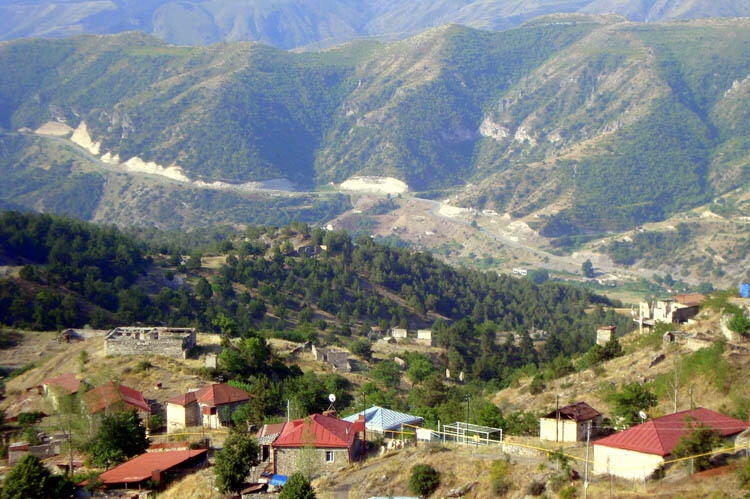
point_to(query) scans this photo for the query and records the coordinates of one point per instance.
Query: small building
(153, 467)
(327, 442)
(399, 333)
(54, 387)
(424, 336)
(569, 423)
(640, 450)
(211, 406)
(385, 422)
(115, 397)
(677, 310)
(337, 359)
(173, 342)
(604, 334)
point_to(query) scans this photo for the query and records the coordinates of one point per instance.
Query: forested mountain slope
(592, 123)
(295, 23)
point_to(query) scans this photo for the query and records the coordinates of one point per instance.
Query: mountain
(291, 24)
(587, 123)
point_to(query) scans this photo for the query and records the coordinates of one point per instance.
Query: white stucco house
(569, 423)
(638, 451)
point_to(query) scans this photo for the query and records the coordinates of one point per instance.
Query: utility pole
(364, 426)
(586, 466)
(676, 382)
(557, 417)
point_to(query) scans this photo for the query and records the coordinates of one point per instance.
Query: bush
(424, 480)
(500, 476)
(297, 487)
(535, 488)
(743, 474)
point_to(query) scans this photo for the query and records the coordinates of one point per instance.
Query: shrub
(500, 476)
(424, 480)
(535, 488)
(743, 474)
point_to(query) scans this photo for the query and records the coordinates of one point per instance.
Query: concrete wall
(603, 335)
(288, 460)
(568, 430)
(624, 463)
(425, 336)
(179, 417)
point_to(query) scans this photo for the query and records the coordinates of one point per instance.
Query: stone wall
(288, 460)
(170, 342)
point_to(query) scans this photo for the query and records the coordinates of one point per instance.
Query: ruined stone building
(173, 342)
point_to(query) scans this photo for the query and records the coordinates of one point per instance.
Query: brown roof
(142, 467)
(578, 412)
(212, 395)
(67, 382)
(690, 299)
(110, 394)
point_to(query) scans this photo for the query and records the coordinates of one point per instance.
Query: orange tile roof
(142, 467)
(110, 394)
(67, 382)
(212, 395)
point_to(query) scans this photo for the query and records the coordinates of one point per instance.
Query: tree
(297, 487)
(700, 440)
(234, 460)
(387, 372)
(630, 400)
(120, 436)
(29, 479)
(424, 480)
(588, 269)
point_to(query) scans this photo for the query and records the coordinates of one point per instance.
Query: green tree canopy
(699, 441)
(630, 400)
(297, 487)
(29, 479)
(234, 460)
(120, 436)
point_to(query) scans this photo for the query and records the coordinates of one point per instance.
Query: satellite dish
(332, 398)
(642, 415)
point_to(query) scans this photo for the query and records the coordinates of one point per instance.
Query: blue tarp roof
(381, 419)
(278, 480)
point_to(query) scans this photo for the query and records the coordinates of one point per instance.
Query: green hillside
(593, 123)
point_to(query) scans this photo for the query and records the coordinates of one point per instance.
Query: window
(329, 456)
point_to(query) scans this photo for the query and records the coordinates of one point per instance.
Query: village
(185, 429)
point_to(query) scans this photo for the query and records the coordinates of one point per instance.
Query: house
(399, 333)
(337, 359)
(638, 451)
(173, 342)
(153, 467)
(677, 310)
(66, 384)
(116, 397)
(604, 334)
(211, 406)
(328, 442)
(424, 336)
(569, 423)
(385, 422)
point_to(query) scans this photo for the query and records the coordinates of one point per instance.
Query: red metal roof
(660, 435)
(110, 394)
(578, 412)
(67, 382)
(317, 430)
(212, 395)
(142, 467)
